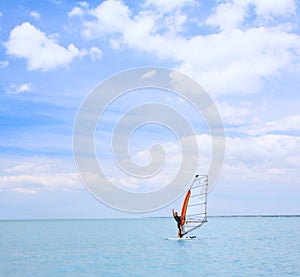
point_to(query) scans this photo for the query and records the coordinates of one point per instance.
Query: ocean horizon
(145, 217)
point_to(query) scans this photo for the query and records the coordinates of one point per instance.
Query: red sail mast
(184, 206)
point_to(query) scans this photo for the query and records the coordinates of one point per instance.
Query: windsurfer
(178, 220)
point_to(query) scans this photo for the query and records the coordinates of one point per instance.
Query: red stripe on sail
(184, 206)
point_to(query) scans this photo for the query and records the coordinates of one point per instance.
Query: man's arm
(173, 212)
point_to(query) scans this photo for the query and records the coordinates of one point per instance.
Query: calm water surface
(259, 246)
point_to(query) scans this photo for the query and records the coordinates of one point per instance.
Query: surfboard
(183, 238)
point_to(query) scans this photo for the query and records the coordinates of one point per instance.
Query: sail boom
(195, 227)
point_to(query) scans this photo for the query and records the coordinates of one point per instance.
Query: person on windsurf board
(178, 220)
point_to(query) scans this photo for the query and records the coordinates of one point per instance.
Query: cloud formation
(38, 174)
(4, 64)
(286, 124)
(43, 52)
(36, 15)
(267, 159)
(233, 59)
(16, 89)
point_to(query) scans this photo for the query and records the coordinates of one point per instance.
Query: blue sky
(245, 54)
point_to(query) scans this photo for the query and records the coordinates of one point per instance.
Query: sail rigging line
(193, 212)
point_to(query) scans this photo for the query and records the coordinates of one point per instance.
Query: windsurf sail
(184, 207)
(193, 212)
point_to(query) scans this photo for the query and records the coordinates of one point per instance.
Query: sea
(224, 246)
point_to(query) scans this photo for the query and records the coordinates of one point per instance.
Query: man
(178, 220)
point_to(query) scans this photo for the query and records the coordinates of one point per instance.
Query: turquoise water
(259, 246)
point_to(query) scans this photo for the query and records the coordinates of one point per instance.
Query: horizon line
(145, 217)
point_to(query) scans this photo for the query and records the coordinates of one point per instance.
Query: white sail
(194, 206)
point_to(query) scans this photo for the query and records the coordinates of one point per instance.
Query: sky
(245, 54)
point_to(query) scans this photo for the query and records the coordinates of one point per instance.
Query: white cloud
(128, 183)
(24, 190)
(76, 11)
(79, 10)
(255, 160)
(268, 162)
(238, 62)
(227, 15)
(163, 173)
(275, 171)
(38, 174)
(160, 175)
(111, 16)
(275, 7)
(4, 64)
(168, 5)
(149, 74)
(242, 113)
(267, 151)
(36, 15)
(95, 53)
(235, 60)
(35, 181)
(22, 167)
(41, 51)
(16, 89)
(290, 123)
(231, 14)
